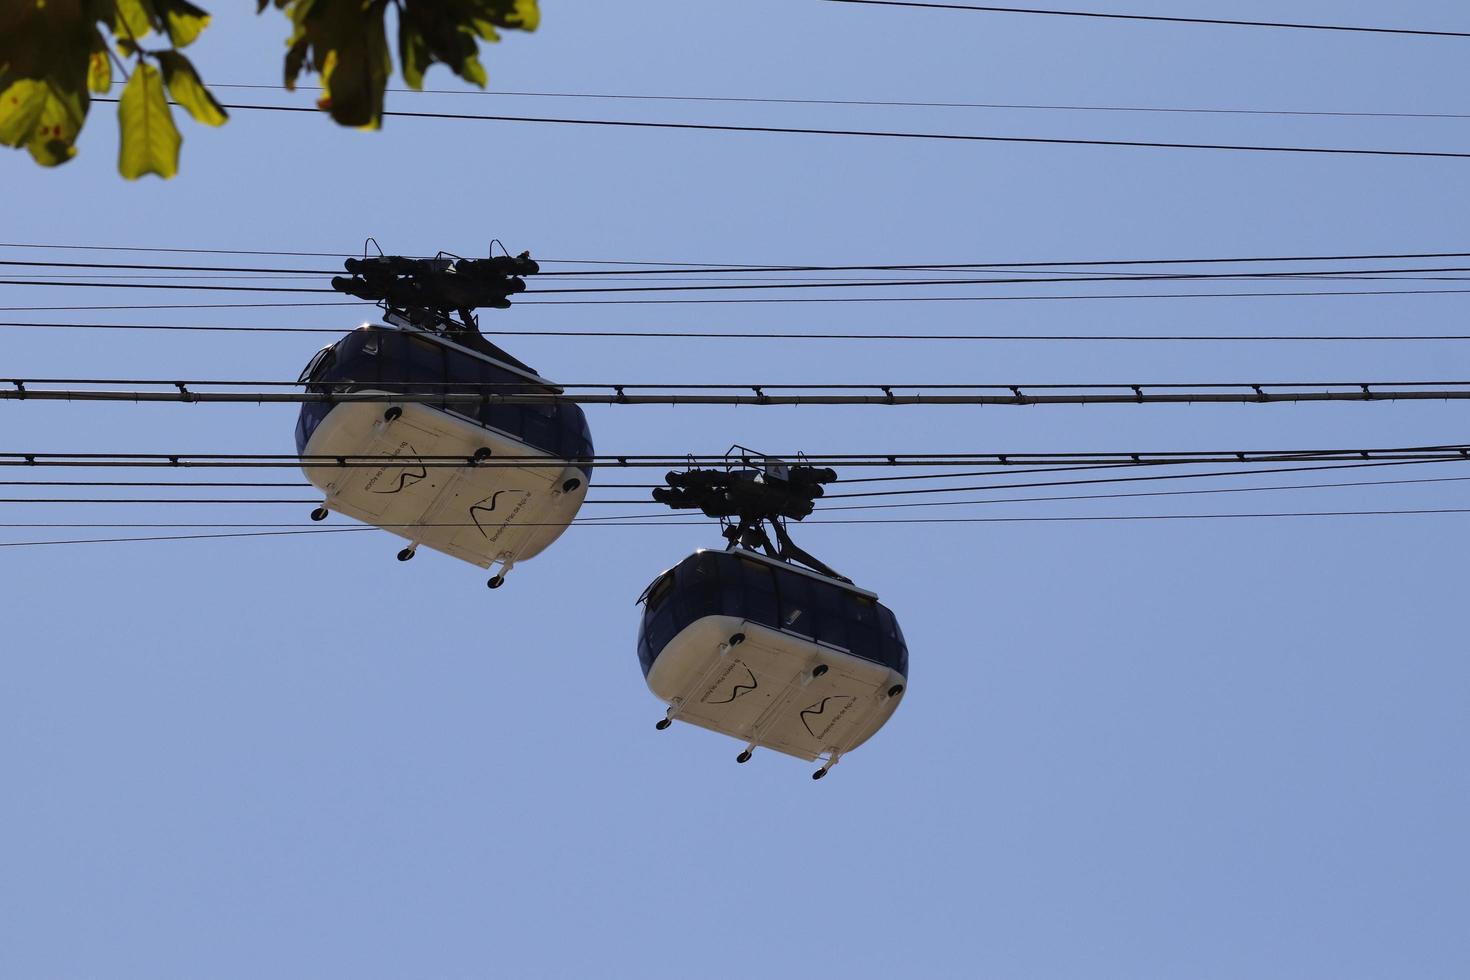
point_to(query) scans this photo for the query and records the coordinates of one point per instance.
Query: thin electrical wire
(870, 299)
(1328, 274)
(779, 335)
(1214, 21)
(1015, 462)
(239, 501)
(517, 386)
(1129, 479)
(845, 521)
(773, 300)
(695, 267)
(853, 507)
(885, 134)
(952, 267)
(621, 395)
(886, 103)
(149, 483)
(1145, 493)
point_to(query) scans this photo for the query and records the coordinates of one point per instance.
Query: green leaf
(43, 117)
(150, 141)
(133, 20)
(183, 20)
(448, 32)
(54, 139)
(188, 91)
(99, 65)
(21, 105)
(346, 42)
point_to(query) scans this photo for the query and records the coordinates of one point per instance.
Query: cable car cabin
(482, 514)
(771, 654)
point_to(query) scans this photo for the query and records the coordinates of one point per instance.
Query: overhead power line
(844, 521)
(1043, 498)
(1135, 479)
(888, 103)
(684, 268)
(1147, 493)
(824, 506)
(1215, 21)
(883, 134)
(779, 335)
(187, 460)
(1391, 274)
(783, 395)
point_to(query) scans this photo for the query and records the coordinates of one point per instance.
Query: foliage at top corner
(346, 42)
(55, 54)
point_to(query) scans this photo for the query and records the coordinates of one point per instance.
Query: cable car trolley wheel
(771, 654)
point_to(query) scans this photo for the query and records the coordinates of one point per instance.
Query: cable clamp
(889, 392)
(1260, 395)
(30, 459)
(760, 396)
(1020, 398)
(622, 399)
(188, 395)
(20, 386)
(1367, 395)
(1137, 393)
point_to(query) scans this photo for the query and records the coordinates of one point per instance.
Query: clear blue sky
(1169, 749)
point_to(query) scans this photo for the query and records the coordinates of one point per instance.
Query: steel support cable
(886, 461)
(298, 484)
(952, 267)
(476, 389)
(1130, 479)
(1399, 274)
(778, 335)
(1094, 467)
(762, 395)
(846, 521)
(1159, 18)
(1044, 498)
(851, 507)
(881, 134)
(180, 281)
(685, 268)
(766, 300)
(228, 501)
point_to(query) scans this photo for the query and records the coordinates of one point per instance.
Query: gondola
(755, 646)
(480, 510)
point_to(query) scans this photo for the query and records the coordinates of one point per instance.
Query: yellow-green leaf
(99, 65)
(54, 138)
(150, 141)
(472, 71)
(21, 105)
(188, 91)
(183, 20)
(528, 13)
(133, 20)
(43, 118)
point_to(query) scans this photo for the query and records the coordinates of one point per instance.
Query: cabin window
(797, 614)
(659, 591)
